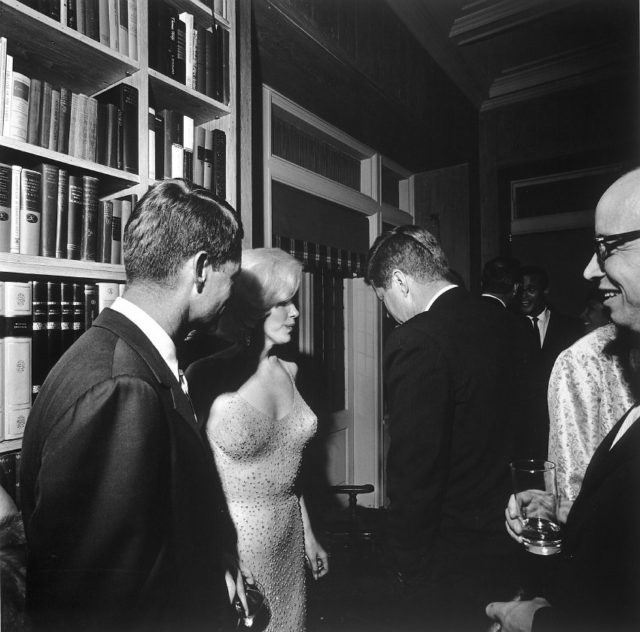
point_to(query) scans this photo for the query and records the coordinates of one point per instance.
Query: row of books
(101, 129)
(51, 212)
(40, 321)
(190, 54)
(178, 150)
(113, 23)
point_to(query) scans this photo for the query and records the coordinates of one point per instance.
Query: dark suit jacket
(562, 331)
(598, 586)
(455, 379)
(121, 500)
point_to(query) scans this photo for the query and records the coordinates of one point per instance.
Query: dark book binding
(33, 118)
(105, 220)
(74, 217)
(39, 350)
(66, 316)
(45, 114)
(54, 323)
(219, 174)
(78, 310)
(89, 234)
(65, 120)
(62, 214)
(125, 98)
(48, 208)
(159, 130)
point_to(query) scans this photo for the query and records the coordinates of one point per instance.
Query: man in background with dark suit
(455, 373)
(554, 332)
(501, 281)
(122, 507)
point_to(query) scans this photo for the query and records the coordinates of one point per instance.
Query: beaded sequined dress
(258, 459)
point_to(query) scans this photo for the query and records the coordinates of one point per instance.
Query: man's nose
(593, 270)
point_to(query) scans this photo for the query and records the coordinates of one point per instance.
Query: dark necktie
(536, 329)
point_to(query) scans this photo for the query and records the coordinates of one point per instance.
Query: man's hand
(515, 616)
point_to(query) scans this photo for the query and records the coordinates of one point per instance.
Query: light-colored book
(3, 73)
(132, 6)
(8, 91)
(107, 293)
(14, 245)
(17, 357)
(187, 19)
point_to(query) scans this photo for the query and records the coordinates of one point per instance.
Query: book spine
(62, 214)
(8, 91)
(90, 304)
(200, 84)
(187, 21)
(65, 115)
(89, 237)
(3, 75)
(78, 310)
(151, 125)
(219, 174)
(39, 351)
(187, 143)
(90, 150)
(5, 208)
(30, 191)
(54, 127)
(218, 43)
(81, 16)
(116, 232)
(92, 26)
(54, 323)
(209, 63)
(72, 19)
(45, 114)
(33, 124)
(73, 124)
(132, 8)
(49, 176)
(129, 107)
(66, 316)
(123, 27)
(74, 218)
(19, 117)
(198, 159)
(103, 22)
(105, 221)
(159, 127)
(16, 173)
(17, 357)
(208, 160)
(114, 23)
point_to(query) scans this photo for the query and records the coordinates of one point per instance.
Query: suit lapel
(134, 337)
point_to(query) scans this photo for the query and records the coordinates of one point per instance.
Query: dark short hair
(538, 273)
(501, 274)
(172, 222)
(409, 248)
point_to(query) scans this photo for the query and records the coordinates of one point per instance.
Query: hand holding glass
(535, 492)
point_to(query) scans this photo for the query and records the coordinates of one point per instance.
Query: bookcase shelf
(29, 155)
(45, 48)
(30, 266)
(176, 96)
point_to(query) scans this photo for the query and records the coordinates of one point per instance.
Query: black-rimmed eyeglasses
(606, 244)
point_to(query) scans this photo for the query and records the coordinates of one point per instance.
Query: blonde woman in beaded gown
(258, 425)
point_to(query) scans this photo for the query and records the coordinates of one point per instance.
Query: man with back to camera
(122, 507)
(501, 281)
(598, 582)
(455, 372)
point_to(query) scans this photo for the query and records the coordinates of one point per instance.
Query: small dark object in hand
(259, 615)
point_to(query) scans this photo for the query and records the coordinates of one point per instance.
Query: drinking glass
(535, 491)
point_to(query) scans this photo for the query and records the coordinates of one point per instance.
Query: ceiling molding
(496, 16)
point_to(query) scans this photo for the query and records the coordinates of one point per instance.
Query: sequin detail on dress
(259, 459)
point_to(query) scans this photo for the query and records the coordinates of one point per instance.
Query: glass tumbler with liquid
(535, 491)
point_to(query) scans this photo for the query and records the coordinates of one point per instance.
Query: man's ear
(201, 266)
(400, 279)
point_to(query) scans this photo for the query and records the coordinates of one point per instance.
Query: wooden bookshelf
(45, 49)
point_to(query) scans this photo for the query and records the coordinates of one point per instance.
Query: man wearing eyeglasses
(598, 582)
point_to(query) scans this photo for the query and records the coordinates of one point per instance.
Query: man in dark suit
(454, 371)
(122, 507)
(598, 580)
(555, 332)
(501, 281)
